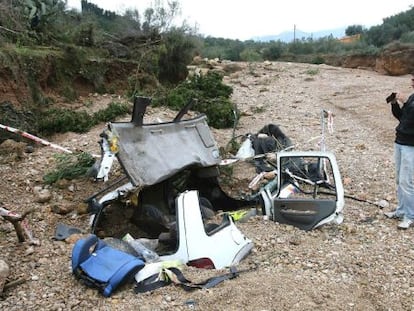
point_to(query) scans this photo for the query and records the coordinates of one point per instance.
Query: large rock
(396, 62)
(4, 273)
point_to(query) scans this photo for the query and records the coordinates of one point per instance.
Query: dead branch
(17, 220)
(13, 283)
(9, 30)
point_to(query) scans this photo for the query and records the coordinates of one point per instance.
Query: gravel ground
(362, 264)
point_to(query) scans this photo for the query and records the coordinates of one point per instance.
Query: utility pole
(294, 33)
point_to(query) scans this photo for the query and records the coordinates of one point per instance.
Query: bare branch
(9, 30)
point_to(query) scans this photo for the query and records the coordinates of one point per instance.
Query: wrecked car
(171, 191)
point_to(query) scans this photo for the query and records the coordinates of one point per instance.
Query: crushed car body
(171, 190)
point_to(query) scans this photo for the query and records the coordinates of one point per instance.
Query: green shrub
(174, 56)
(69, 93)
(408, 37)
(212, 97)
(69, 166)
(66, 120)
(141, 83)
(250, 55)
(312, 71)
(219, 111)
(317, 60)
(273, 51)
(111, 112)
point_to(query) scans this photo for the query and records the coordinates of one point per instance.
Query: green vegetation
(65, 120)
(211, 95)
(312, 72)
(69, 166)
(170, 48)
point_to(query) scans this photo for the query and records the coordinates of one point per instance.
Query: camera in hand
(391, 98)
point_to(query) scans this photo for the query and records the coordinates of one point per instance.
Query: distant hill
(287, 36)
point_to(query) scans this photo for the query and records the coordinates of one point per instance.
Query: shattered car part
(223, 245)
(109, 149)
(150, 153)
(160, 153)
(173, 192)
(172, 171)
(309, 190)
(64, 231)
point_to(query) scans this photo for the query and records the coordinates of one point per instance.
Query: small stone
(383, 204)
(29, 251)
(43, 196)
(62, 209)
(295, 241)
(4, 273)
(29, 149)
(82, 208)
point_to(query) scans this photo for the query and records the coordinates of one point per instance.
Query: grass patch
(69, 166)
(66, 120)
(312, 72)
(32, 51)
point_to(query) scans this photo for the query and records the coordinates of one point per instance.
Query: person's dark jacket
(405, 114)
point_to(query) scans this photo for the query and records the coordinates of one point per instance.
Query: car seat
(99, 265)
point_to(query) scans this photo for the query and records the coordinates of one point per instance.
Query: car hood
(151, 153)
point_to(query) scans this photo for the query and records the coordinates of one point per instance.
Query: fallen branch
(9, 30)
(20, 224)
(13, 283)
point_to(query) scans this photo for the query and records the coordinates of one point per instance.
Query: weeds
(258, 109)
(69, 166)
(312, 72)
(111, 112)
(66, 120)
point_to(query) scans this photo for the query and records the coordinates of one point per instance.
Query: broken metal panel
(225, 245)
(107, 160)
(309, 207)
(151, 153)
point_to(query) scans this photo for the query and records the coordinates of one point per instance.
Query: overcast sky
(244, 19)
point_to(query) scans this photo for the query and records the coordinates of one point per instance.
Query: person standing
(403, 110)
